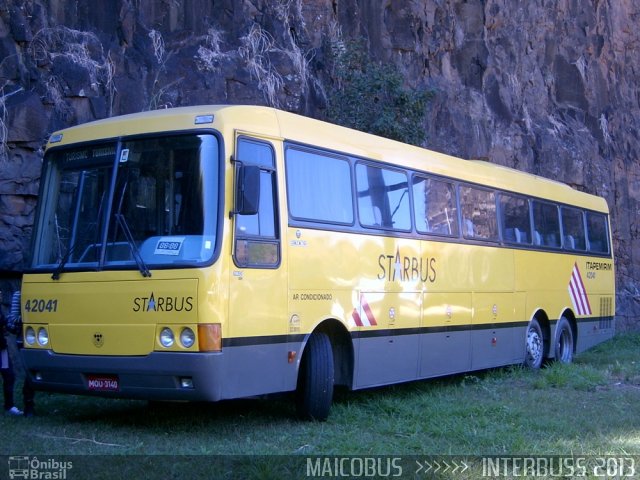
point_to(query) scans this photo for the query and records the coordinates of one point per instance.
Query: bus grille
(606, 312)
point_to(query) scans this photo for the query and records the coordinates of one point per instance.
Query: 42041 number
(41, 305)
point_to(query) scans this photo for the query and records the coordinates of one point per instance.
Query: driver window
(256, 236)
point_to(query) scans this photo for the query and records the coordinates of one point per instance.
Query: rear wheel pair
(564, 343)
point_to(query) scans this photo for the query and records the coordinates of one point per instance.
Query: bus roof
(277, 123)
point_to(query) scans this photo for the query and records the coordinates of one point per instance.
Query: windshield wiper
(56, 273)
(144, 270)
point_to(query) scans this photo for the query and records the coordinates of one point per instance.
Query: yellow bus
(218, 252)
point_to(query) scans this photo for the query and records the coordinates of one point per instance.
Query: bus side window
(257, 236)
(546, 224)
(573, 229)
(383, 198)
(597, 233)
(434, 204)
(516, 224)
(479, 215)
(318, 186)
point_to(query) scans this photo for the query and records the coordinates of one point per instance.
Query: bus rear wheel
(564, 341)
(534, 353)
(315, 379)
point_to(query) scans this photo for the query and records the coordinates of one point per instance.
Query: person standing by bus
(14, 326)
(6, 368)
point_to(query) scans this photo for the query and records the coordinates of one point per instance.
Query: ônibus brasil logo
(35, 468)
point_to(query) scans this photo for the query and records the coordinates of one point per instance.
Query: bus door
(257, 283)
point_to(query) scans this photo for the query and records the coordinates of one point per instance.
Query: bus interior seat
(569, 242)
(510, 234)
(551, 240)
(522, 236)
(537, 238)
(469, 230)
(518, 236)
(596, 246)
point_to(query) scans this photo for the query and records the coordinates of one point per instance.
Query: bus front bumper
(156, 376)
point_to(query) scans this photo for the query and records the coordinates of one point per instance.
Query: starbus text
(406, 269)
(162, 304)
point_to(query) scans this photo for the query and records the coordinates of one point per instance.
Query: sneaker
(14, 411)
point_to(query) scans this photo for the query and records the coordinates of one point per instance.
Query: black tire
(315, 379)
(534, 346)
(564, 345)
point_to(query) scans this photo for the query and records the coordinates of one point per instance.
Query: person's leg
(8, 378)
(8, 382)
(28, 395)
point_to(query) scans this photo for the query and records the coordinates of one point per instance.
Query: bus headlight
(167, 338)
(43, 336)
(187, 337)
(30, 336)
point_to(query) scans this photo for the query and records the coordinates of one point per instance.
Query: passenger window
(319, 187)
(546, 225)
(434, 203)
(479, 216)
(597, 233)
(573, 229)
(383, 198)
(516, 225)
(256, 242)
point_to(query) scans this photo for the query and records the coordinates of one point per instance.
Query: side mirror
(248, 190)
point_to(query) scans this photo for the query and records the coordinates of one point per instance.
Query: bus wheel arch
(565, 338)
(342, 346)
(537, 340)
(327, 360)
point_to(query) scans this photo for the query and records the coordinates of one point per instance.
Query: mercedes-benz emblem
(98, 339)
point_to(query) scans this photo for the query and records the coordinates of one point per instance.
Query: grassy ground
(591, 407)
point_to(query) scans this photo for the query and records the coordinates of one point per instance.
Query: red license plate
(103, 383)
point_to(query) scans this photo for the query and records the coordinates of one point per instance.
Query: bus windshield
(136, 203)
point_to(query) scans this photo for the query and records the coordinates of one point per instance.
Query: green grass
(591, 407)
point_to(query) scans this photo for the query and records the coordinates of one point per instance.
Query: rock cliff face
(546, 87)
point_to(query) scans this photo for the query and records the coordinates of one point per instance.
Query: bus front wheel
(534, 353)
(315, 379)
(564, 341)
